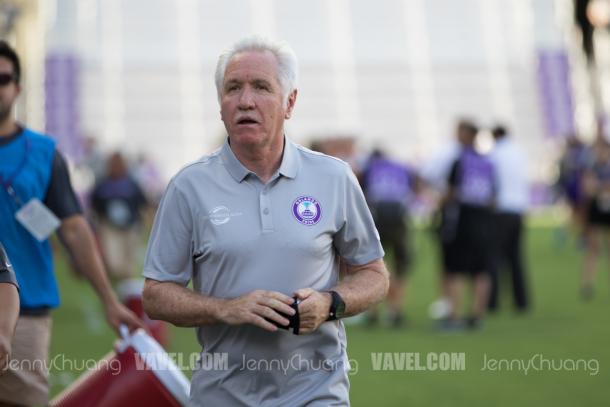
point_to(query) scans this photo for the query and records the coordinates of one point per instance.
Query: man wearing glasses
(36, 199)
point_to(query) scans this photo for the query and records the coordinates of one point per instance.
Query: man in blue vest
(36, 199)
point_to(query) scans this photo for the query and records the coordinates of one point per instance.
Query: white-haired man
(260, 225)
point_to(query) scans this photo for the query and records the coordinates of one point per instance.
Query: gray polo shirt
(220, 226)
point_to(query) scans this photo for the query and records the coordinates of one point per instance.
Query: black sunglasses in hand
(295, 320)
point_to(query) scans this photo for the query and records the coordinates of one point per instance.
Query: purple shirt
(387, 181)
(474, 177)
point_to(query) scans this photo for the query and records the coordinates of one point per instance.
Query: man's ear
(292, 99)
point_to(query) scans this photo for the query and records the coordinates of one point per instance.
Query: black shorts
(391, 220)
(468, 249)
(598, 213)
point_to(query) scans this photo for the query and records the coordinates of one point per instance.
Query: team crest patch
(307, 210)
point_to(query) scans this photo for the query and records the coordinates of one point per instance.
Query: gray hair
(286, 58)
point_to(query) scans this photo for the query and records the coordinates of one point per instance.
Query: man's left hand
(313, 309)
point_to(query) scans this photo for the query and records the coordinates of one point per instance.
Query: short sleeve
(169, 253)
(7, 275)
(357, 241)
(60, 197)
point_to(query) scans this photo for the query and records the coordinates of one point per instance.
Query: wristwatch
(337, 307)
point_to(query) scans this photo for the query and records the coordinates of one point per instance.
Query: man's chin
(248, 137)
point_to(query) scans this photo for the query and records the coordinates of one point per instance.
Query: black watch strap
(337, 306)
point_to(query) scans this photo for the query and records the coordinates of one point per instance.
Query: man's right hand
(255, 307)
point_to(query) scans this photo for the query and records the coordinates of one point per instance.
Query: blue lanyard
(8, 183)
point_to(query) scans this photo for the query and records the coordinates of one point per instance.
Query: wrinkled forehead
(253, 64)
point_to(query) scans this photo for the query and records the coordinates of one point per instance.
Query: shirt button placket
(265, 205)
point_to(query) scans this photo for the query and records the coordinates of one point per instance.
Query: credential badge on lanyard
(34, 216)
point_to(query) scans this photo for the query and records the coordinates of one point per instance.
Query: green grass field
(560, 330)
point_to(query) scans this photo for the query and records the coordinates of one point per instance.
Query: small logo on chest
(307, 210)
(221, 215)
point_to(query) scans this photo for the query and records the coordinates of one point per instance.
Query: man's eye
(262, 86)
(232, 88)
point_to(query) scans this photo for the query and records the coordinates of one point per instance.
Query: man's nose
(246, 99)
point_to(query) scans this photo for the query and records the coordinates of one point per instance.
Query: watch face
(340, 309)
(338, 305)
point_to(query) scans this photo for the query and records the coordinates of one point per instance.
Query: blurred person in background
(466, 229)
(9, 308)
(260, 226)
(93, 159)
(435, 175)
(511, 167)
(435, 170)
(573, 162)
(119, 203)
(342, 147)
(389, 188)
(147, 175)
(596, 187)
(37, 198)
(120, 209)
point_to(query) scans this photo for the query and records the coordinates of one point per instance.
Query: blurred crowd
(474, 202)
(119, 196)
(584, 184)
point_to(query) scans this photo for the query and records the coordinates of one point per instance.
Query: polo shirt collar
(232, 164)
(288, 167)
(290, 163)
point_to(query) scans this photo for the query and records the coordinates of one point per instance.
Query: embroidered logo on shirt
(221, 215)
(307, 210)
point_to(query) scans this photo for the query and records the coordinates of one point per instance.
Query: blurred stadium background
(394, 73)
(137, 76)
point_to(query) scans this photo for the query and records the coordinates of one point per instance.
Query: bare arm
(9, 306)
(181, 306)
(361, 287)
(77, 237)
